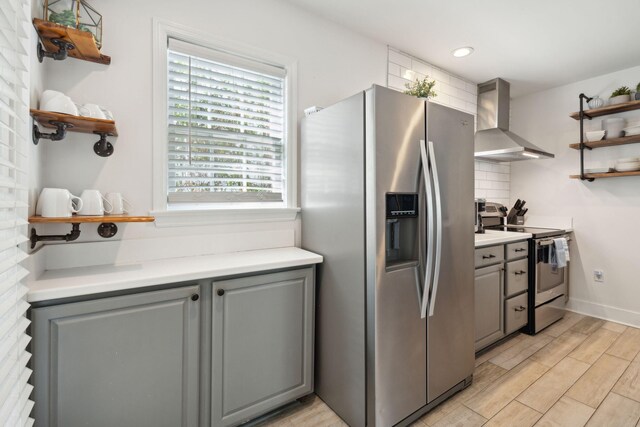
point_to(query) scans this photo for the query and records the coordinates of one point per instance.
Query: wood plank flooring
(580, 371)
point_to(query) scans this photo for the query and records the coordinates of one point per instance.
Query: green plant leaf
(421, 88)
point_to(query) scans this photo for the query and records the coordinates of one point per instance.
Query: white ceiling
(534, 44)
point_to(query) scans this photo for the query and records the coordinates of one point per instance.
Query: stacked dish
(595, 135)
(632, 130)
(628, 164)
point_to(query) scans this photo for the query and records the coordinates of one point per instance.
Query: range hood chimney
(493, 139)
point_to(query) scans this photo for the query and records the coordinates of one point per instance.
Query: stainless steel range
(548, 284)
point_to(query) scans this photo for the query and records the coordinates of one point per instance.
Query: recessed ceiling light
(461, 52)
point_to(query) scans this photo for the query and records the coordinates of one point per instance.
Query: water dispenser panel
(402, 205)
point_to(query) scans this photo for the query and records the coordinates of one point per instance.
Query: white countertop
(71, 282)
(495, 237)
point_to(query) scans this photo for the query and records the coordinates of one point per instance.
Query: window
(15, 405)
(226, 127)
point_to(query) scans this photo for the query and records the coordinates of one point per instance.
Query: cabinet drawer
(517, 277)
(515, 313)
(489, 255)
(517, 250)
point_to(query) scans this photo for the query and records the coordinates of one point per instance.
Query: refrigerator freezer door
(333, 224)
(396, 347)
(450, 335)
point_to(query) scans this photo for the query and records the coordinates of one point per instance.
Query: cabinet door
(488, 305)
(262, 344)
(128, 361)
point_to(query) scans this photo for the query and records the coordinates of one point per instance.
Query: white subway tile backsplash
(422, 68)
(397, 83)
(458, 103)
(492, 180)
(442, 98)
(457, 83)
(471, 88)
(441, 76)
(399, 58)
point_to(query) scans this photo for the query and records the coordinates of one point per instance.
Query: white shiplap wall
(492, 179)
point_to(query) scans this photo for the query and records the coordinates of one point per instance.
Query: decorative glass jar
(75, 14)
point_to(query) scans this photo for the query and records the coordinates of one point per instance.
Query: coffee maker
(480, 209)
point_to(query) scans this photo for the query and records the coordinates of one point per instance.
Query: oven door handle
(550, 242)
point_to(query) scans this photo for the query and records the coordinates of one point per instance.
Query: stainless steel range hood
(493, 139)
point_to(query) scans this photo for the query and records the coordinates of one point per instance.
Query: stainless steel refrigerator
(387, 199)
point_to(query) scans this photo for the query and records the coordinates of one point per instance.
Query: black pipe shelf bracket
(69, 237)
(63, 50)
(583, 146)
(58, 135)
(105, 230)
(103, 148)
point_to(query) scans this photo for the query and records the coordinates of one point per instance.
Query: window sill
(186, 218)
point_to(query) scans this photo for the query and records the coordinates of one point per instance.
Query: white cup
(92, 203)
(94, 111)
(118, 203)
(57, 203)
(58, 103)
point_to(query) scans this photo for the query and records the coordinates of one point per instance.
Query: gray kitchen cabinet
(126, 361)
(488, 305)
(502, 280)
(262, 344)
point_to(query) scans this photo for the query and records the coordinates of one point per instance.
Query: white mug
(92, 203)
(57, 203)
(118, 203)
(93, 110)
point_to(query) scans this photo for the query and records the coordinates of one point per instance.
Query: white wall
(605, 212)
(492, 179)
(333, 63)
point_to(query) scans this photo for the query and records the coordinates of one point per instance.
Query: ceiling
(533, 44)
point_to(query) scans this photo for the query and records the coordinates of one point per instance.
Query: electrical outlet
(598, 275)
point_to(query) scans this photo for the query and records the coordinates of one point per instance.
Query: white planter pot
(618, 99)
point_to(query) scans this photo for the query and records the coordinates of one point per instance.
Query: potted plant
(637, 95)
(421, 88)
(620, 95)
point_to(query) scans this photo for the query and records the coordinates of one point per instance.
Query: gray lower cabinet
(126, 361)
(262, 344)
(502, 281)
(488, 305)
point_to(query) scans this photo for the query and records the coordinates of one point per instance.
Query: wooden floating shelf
(606, 175)
(635, 139)
(609, 109)
(85, 47)
(80, 123)
(82, 219)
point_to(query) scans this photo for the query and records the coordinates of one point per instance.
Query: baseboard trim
(605, 312)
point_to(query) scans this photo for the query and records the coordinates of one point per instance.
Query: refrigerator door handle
(438, 221)
(424, 156)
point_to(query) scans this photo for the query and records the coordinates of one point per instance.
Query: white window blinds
(15, 405)
(226, 127)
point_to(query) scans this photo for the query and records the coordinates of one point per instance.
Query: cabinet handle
(220, 292)
(521, 308)
(520, 250)
(488, 256)
(195, 297)
(517, 273)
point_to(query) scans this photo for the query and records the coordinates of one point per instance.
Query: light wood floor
(579, 371)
